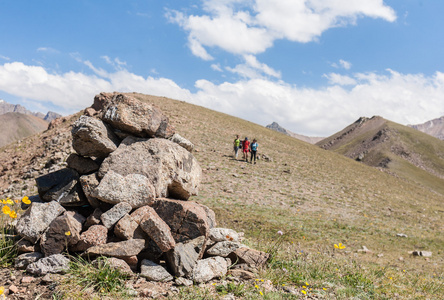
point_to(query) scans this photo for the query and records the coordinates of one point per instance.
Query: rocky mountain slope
(6, 107)
(309, 139)
(433, 127)
(316, 198)
(16, 126)
(401, 150)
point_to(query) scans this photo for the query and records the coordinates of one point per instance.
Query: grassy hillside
(16, 126)
(401, 150)
(317, 199)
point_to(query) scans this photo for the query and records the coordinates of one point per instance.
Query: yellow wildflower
(6, 210)
(68, 233)
(2, 290)
(26, 200)
(339, 246)
(13, 214)
(303, 292)
(9, 201)
(261, 293)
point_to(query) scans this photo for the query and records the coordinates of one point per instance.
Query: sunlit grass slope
(318, 198)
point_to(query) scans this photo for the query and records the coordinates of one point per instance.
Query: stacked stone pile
(125, 195)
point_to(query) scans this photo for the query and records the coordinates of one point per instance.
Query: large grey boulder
(134, 189)
(141, 119)
(61, 186)
(209, 268)
(187, 219)
(157, 230)
(112, 216)
(154, 272)
(53, 264)
(36, 219)
(172, 170)
(63, 232)
(91, 137)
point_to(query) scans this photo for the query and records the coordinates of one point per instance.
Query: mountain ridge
(6, 107)
(433, 127)
(309, 139)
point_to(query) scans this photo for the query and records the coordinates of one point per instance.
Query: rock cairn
(125, 195)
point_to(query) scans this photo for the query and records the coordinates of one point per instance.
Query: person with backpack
(237, 145)
(253, 150)
(245, 148)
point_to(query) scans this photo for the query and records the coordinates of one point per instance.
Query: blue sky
(313, 66)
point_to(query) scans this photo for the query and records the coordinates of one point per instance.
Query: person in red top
(245, 148)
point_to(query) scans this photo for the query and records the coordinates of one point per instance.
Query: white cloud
(345, 64)
(73, 91)
(251, 27)
(216, 67)
(403, 98)
(47, 49)
(334, 78)
(342, 64)
(252, 68)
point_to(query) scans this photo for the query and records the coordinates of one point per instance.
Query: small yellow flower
(307, 283)
(6, 210)
(304, 287)
(324, 289)
(339, 246)
(262, 280)
(2, 290)
(303, 292)
(261, 293)
(9, 201)
(26, 200)
(256, 286)
(283, 284)
(13, 214)
(68, 233)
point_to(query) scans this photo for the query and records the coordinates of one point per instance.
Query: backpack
(254, 146)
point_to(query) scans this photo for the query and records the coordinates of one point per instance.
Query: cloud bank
(251, 27)
(403, 98)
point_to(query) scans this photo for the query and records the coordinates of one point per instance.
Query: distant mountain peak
(276, 127)
(6, 107)
(433, 127)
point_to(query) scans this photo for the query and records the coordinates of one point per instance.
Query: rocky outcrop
(125, 192)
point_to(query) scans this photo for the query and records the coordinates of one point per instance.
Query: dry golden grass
(317, 198)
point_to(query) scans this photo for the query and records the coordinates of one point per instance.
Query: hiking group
(246, 148)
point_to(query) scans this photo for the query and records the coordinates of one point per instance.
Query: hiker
(237, 145)
(253, 150)
(245, 148)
